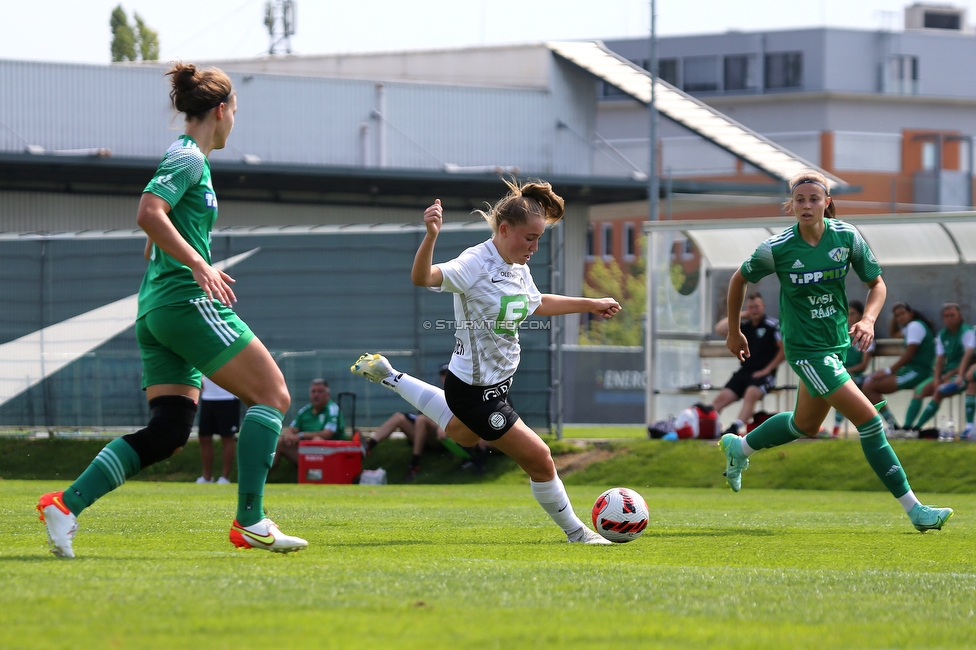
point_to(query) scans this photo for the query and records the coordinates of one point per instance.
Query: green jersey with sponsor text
(813, 293)
(183, 181)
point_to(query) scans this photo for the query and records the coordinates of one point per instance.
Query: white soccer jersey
(491, 299)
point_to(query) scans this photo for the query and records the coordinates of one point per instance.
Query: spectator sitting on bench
(954, 345)
(757, 374)
(321, 419)
(914, 367)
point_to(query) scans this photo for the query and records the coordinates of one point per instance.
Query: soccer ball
(620, 514)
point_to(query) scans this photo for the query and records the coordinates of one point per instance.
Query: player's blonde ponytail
(533, 198)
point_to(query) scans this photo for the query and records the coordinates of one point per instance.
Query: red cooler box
(329, 461)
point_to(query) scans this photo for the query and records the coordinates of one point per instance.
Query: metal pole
(653, 191)
(650, 320)
(653, 183)
(558, 324)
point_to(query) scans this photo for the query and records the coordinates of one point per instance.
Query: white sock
(746, 449)
(552, 496)
(908, 501)
(427, 398)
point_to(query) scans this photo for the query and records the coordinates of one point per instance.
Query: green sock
(889, 417)
(116, 462)
(970, 407)
(927, 414)
(838, 418)
(775, 431)
(881, 457)
(255, 452)
(455, 449)
(913, 408)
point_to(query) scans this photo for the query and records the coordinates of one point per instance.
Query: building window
(940, 20)
(784, 70)
(928, 156)
(738, 72)
(630, 243)
(700, 73)
(667, 70)
(900, 75)
(607, 248)
(590, 244)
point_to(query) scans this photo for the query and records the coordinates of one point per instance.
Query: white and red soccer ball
(620, 514)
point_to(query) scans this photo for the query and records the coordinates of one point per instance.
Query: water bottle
(706, 377)
(950, 430)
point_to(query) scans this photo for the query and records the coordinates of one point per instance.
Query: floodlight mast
(279, 18)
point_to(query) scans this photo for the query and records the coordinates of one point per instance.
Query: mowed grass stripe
(482, 566)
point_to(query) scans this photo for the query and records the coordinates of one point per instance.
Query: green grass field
(464, 566)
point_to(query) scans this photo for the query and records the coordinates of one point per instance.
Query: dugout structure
(926, 260)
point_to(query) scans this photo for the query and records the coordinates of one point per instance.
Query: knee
(401, 421)
(753, 394)
(541, 467)
(279, 398)
(807, 428)
(170, 422)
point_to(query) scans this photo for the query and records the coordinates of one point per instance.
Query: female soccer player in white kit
(493, 293)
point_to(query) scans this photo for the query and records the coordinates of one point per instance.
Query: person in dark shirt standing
(757, 374)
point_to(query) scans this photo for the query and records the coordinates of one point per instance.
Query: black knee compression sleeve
(170, 422)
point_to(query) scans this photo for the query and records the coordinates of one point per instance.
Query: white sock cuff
(908, 501)
(429, 399)
(548, 491)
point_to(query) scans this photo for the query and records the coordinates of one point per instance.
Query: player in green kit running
(811, 260)
(185, 327)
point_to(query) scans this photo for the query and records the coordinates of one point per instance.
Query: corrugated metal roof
(300, 120)
(687, 111)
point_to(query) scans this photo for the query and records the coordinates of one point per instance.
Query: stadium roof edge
(266, 181)
(696, 116)
(919, 239)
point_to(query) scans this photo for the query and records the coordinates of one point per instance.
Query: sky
(77, 30)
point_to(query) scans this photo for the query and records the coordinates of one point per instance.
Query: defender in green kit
(186, 327)
(812, 260)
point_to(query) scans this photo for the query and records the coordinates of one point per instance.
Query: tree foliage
(132, 43)
(148, 40)
(627, 285)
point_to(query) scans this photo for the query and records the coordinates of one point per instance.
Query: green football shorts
(823, 375)
(179, 342)
(908, 377)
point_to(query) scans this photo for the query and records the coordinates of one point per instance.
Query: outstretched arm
(554, 305)
(735, 341)
(423, 273)
(862, 332)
